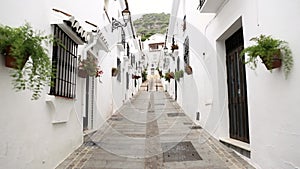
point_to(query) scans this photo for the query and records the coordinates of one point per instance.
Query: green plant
(168, 76)
(266, 48)
(22, 43)
(179, 74)
(159, 72)
(144, 75)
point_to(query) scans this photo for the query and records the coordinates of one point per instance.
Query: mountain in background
(150, 24)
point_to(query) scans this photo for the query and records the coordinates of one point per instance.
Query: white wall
(31, 136)
(272, 104)
(194, 91)
(273, 113)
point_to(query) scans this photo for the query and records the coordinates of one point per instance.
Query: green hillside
(150, 24)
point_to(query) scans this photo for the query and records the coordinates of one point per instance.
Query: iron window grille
(186, 51)
(201, 3)
(123, 38)
(132, 60)
(128, 50)
(119, 68)
(178, 63)
(127, 80)
(64, 65)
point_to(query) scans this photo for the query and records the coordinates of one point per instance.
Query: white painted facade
(42, 133)
(272, 99)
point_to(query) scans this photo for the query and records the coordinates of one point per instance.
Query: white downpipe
(84, 51)
(84, 56)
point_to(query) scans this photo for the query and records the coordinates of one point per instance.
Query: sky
(149, 6)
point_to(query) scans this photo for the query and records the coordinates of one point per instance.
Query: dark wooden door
(237, 93)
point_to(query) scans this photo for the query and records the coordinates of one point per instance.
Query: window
(123, 41)
(127, 80)
(186, 51)
(128, 50)
(132, 60)
(119, 68)
(184, 23)
(64, 64)
(178, 63)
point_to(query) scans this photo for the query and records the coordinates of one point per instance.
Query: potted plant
(24, 45)
(188, 69)
(144, 75)
(174, 47)
(273, 53)
(179, 74)
(114, 71)
(168, 76)
(159, 72)
(135, 77)
(89, 67)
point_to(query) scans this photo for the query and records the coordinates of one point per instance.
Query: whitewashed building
(253, 111)
(42, 133)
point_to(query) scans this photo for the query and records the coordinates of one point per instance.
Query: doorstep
(239, 146)
(87, 134)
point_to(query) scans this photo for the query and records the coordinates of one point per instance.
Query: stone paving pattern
(133, 139)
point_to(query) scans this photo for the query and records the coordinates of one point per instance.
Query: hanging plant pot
(188, 69)
(114, 72)
(82, 73)
(11, 61)
(276, 61)
(172, 75)
(135, 77)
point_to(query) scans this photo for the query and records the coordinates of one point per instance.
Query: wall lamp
(117, 24)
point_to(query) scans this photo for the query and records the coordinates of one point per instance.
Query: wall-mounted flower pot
(172, 75)
(82, 73)
(188, 69)
(135, 77)
(114, 72)
(174, 47)
(11, 61)
(275, 63)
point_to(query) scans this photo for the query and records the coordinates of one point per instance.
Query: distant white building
(253, 111)
(42, 133)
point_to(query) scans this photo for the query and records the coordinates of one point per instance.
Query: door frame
(237, 88)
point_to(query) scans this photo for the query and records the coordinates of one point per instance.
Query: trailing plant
(144, 75)
(24, 43)
(266, 48)
(159, 72)
(90, 66)
(168, 76)
(179, 74)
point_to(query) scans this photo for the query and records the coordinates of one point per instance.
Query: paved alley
(152, 132)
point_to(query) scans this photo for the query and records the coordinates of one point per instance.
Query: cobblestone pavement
(152, 132)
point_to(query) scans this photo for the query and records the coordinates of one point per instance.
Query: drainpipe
(84, 53)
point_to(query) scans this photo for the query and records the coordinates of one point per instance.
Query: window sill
(60, 108)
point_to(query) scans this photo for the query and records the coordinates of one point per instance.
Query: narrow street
(152, 131)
